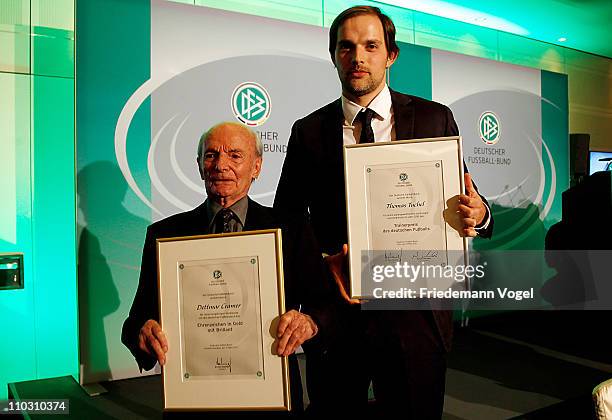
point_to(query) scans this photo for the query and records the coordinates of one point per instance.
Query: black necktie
(222, 221)
(367, 134)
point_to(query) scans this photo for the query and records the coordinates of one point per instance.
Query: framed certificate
(398, 196)
(220, 298)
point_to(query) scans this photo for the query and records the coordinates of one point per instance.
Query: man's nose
(222, 162)
(358, 55)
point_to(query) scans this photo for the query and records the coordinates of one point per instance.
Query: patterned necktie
(222, 222)
(367, 134)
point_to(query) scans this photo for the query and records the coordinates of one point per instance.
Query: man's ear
(200, 169)
(257, 171)
(391, 59)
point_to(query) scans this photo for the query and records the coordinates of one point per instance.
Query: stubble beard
(361, 87)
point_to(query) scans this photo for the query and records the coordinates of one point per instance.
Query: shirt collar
(381, 105)
(239, 208)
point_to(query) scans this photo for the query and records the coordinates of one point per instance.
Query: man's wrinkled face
(361, 56)
(229, 164)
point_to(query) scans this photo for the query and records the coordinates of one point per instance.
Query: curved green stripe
(555, 130)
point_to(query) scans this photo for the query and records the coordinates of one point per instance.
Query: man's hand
(293, 329)
(152, 340)
(337, 266)
(471, 208)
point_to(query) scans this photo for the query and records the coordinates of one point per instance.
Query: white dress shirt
(383, 123)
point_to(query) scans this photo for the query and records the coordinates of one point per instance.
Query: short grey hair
(249, 132)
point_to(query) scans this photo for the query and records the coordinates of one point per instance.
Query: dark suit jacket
(303, 270)
(312, 180)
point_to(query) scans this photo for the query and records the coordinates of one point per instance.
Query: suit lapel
(403, 114)
(258, 217)
(332, 126)
(198, 222)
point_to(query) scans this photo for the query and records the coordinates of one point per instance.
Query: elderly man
(229, 160)
(403, 353)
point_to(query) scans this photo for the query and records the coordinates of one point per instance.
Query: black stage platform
(527, 365)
